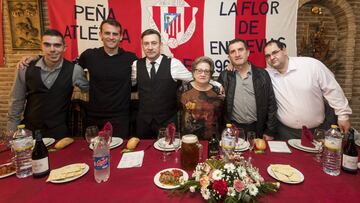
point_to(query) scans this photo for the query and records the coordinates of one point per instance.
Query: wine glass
(176, 144)
(251, 136)
(319, 137)
(163, 142)
(90, 133)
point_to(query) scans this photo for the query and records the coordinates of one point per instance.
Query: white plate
(271, 173)
(168, 148)
(8, 174)
(163, 186)
(115, 142)
(47, 141)
(296, 143)
(241, 145)
(85, 170)
(357, 142)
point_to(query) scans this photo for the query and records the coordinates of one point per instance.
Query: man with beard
(43, 91)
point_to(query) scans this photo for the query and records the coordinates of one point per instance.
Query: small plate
(296, 143)
(240, 147)
(115, 142)
(85, 170)
(47, 141)
(167, 149)
(357, 142)
(8, 174)
(271, 173)
(168, 187)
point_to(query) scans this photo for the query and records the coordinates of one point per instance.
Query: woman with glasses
(201, 101)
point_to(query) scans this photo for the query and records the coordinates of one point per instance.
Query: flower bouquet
(218, 181)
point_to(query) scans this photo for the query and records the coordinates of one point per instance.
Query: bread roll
(132, 143)
(63, 143)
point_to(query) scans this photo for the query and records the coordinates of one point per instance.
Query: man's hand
(267, 137)
(344, 126)
(230, 67)
(25, 61)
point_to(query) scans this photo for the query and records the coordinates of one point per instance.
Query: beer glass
(191, 152)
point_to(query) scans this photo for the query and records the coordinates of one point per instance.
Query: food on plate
(260, 144)
(63, 143)
(285, 173)
(132, 143)
(66, 172)
(171, 177)
(6, 169)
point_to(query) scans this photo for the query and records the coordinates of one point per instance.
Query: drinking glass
(176, 143)
(251, 136)
(90, 133)
(241, 138)
(163, 142)
(319, 137)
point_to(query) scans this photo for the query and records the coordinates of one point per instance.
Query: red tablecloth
(136, 184)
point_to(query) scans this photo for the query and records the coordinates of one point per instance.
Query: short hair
(281, 45)
(236, 41)
(54, 33)
(150, 32)
(203, 59)
(112, 22)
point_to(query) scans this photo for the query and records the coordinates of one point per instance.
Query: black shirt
(110, 81)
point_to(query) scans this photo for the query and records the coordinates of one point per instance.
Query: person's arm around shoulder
(25, 61)
(79, 78)
(179, 71)
(17, 100)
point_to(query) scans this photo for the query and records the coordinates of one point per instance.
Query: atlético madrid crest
(175, 20)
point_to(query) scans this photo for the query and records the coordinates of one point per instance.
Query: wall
(341, 19)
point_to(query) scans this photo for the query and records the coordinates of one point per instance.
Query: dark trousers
(120, 125)
(246, 127)
(146, 130)
(285, 133)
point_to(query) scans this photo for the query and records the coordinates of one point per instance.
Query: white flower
(205, 193)
(231, 192)
(242, 172)
(217, 175)
(230, 167)
(253, 190)
(192, 188)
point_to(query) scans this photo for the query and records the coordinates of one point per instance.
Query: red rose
(220, 186)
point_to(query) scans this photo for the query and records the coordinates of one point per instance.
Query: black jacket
(264, 96)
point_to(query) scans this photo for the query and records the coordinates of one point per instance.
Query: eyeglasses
(267, 56)
(199, 71)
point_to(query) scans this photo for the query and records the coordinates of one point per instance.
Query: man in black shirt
(110, 85)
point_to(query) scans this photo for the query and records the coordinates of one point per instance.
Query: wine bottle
(350, 155)
(213, 147)
(40, 157)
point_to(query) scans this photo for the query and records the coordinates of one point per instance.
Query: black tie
(152, 71)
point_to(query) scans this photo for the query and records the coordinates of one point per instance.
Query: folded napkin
(107, 128)
(171, 129)
(306, 137)
(131, 159)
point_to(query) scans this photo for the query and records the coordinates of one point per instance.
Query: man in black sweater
(249, 97)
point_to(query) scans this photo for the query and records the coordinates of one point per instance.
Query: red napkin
(306, 137)
(107, 128)
(171, 129)
(236, 133)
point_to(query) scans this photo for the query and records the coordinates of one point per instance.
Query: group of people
(274, 102)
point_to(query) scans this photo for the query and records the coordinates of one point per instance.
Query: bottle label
(102, 162)
(333, 144)
(350, 162)
(40, 165)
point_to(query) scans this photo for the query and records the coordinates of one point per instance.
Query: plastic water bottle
(332, 151)
(22, 144)
(101, 159)
(228, 142)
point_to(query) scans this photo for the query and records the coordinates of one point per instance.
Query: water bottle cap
(228, 125)
(21, 126)
(334, 126)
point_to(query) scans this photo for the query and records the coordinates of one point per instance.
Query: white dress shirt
(299, 93)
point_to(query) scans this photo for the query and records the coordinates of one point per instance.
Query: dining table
(137, 184)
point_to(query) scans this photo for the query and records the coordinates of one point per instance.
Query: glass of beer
(191, 151)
